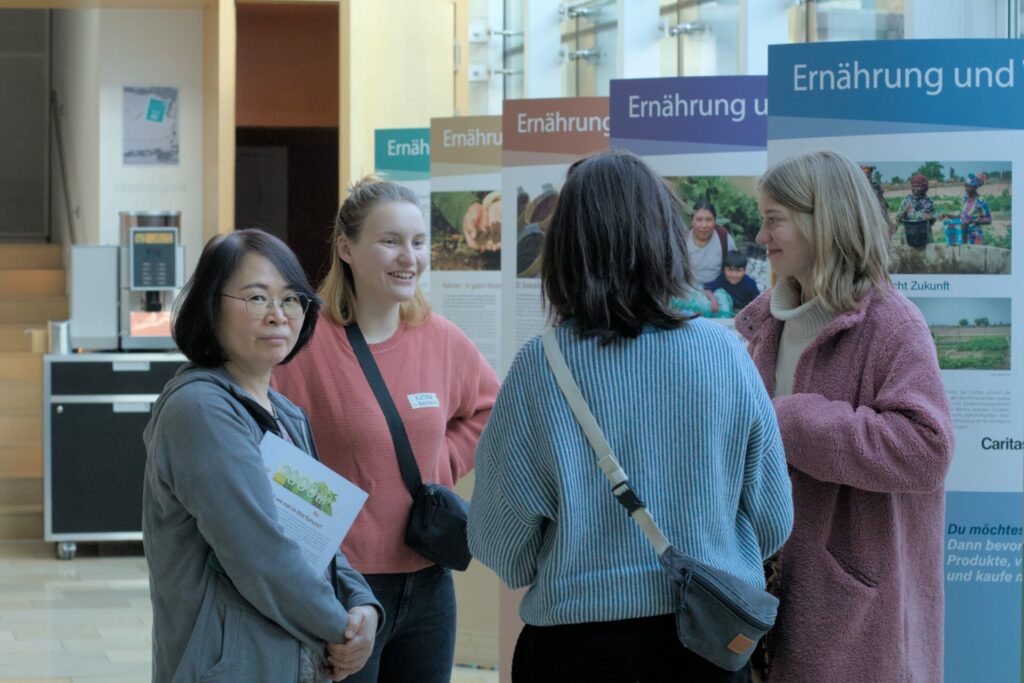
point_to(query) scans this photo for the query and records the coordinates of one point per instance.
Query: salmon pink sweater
(443, 389)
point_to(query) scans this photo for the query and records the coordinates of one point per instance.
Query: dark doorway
(286, 180)
(286, 117)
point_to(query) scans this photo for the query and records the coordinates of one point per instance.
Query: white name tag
(428, 400)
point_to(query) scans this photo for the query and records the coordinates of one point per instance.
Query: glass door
(589, 32)
(812, 21)
(701, 37)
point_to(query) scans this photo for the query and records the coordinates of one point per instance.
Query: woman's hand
(346, 658)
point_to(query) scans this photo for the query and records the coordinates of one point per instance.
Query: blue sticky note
(157, 109)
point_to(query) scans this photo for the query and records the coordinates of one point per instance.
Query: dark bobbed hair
(197, 308)
(615, 253)
(706, 206)
(735, 259)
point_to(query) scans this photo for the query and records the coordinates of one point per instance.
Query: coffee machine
(121, 296)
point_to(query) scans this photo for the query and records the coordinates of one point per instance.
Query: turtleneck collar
(802, 320)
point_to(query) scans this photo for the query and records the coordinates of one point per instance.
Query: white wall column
(637, 54)
(543, 39)
(762, 23)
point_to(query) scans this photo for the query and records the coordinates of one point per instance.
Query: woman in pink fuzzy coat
(866, 425)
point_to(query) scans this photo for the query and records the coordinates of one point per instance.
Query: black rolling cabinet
(96, 406)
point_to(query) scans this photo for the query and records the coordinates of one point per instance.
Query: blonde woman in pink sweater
(443, 390)
(865, 422)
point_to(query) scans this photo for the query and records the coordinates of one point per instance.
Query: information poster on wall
(150, 125)
(541, 138)
(706, 136)
(937, 126)
(465, 227)
(402, 155)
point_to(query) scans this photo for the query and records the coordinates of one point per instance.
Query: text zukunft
(932, 80)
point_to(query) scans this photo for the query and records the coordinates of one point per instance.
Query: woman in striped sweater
(684, 410)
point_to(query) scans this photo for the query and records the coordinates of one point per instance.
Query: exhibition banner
(402, 155)
(707, 137)
(949, 111)
(465, 227)
(540, 139)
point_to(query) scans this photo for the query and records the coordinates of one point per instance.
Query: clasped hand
(345, 659)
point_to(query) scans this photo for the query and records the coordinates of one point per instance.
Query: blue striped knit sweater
(689, 420)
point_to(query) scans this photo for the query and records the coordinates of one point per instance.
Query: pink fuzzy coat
(868, 438)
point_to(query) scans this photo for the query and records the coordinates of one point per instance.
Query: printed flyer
(465, 227)
(402, 155)
(315, 505)
(707, 136)
(937, 127)
(541, 138)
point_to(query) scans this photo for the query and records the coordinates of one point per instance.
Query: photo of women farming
(948, 217)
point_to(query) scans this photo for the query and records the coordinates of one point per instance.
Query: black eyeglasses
(258, 305)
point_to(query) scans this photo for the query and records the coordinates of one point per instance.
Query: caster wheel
(66, 550)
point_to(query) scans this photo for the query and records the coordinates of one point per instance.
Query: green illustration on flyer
(316, 493)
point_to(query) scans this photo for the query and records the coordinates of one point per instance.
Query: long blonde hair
(839, 215)
(338, 290)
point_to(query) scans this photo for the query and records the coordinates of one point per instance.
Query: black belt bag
(436, 528)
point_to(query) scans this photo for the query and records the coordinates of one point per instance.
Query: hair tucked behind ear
(338, 289)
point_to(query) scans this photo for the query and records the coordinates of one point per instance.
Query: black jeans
(629, 651)
(417, 643)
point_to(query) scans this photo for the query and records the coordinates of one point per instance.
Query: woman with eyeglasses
(233, 597)
(442, 390)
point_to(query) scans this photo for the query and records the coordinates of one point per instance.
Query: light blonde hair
(838, 213)
(338, 290)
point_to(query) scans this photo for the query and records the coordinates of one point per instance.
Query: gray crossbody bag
(718, 616)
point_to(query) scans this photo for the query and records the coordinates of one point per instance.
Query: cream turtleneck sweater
(801, 323)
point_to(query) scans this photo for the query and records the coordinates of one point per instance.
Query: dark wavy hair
(615, 253)
(706, 206)
(197, 309)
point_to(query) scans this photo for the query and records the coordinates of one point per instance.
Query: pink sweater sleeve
(901, 442)
(477, 387)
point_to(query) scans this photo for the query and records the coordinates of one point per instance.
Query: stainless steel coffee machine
(121, 296)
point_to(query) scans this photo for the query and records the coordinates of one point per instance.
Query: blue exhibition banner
(402, 153)
(938, 128)
(983, 573)
(689, 115)
(866, 87)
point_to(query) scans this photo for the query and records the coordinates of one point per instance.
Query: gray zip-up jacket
(206, 488)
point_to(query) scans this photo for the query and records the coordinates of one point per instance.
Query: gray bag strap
(606, 460)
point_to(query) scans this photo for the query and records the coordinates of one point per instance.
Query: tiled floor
(86, 620)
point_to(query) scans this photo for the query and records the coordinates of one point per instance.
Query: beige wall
(396, 71)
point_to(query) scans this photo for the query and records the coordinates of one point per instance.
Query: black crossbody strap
(406, 459)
